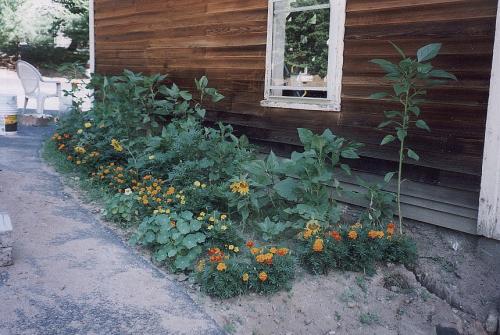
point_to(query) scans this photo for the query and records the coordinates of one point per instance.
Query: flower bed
(195, 194)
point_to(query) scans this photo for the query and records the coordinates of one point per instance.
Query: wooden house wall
(226, 40)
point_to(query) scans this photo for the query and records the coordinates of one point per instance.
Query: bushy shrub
(235, 270)
(353, 248)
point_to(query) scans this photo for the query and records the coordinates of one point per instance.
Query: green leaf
(442, 74)
(305, 135)
(385, 65)
(384, 124)
(183, 227)
(391, 114)
(192, 240)
(387, 139)
(186, 95)
(413, 155)
(401, 133)
(428, 52)
(286, 189)
(398, 49)
(349, 153)
(415, 110)
(422, 125)
(346, 168)
(388, 176)
(377, 96)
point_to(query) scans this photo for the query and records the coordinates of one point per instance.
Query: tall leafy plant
(410, 79)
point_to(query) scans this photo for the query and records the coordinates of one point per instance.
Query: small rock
(307, 322)
(182, 277)
(351, 304)
(491, 324)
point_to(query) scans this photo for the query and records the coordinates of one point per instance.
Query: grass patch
(369, 319)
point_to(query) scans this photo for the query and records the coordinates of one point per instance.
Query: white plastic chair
(31, 79)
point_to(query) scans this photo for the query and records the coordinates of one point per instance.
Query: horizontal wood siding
(225, 40)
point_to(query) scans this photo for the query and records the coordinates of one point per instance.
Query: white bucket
(8, 115)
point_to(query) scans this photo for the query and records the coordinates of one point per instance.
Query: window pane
(300, 48)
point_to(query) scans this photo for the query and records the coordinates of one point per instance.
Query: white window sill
(297, 103)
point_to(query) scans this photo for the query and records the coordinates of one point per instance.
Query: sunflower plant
(410, 79)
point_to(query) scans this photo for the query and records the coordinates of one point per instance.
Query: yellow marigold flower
(352, 235)
(231, 247)
(78, 162)
(116, 145)
(128, 191)
(145, 201)
(223, 227)
(245, 277)
(318, 245)
(210, 227)
(240, 187)
(273, 250)
(167, 211)
(199, 218)
(211, 219)
(202, 214)
(263, 276)
(79, 131)
(221, 267)
(197, 183)
(223, 217)
(201, 265)
(183, 202)
(236, 249)
(151, 157)
(313, 225)
(87, 125)
(203, 185)
(155, 211)
(357, 225)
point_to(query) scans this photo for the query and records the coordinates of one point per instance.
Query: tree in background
(307, 39)
(76, 25)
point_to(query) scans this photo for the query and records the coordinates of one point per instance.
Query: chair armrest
(58, 85)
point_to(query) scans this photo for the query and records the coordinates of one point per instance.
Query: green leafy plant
(123, 208)
(177, 237)
(381, 204)
(410, 79)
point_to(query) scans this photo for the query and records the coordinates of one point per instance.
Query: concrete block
(6, 237)
(6, 256)
(6, 240)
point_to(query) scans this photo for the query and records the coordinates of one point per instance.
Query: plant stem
(400, 170)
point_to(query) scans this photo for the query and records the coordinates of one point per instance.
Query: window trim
(335, 63)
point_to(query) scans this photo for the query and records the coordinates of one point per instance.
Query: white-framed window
(305, 45)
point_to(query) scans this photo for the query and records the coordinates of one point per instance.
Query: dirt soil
(457, 286)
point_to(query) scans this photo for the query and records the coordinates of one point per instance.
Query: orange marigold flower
(221, 267)
(250, 244)
(307, 233)
(213, 251)
(265, 258)
(372, 234)
(245, 277)
(240, 187)
(335, 235)
(390, 228)
(318, 245)
(282, 251)
(352, 235)
(263, 276)
(255, 251)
